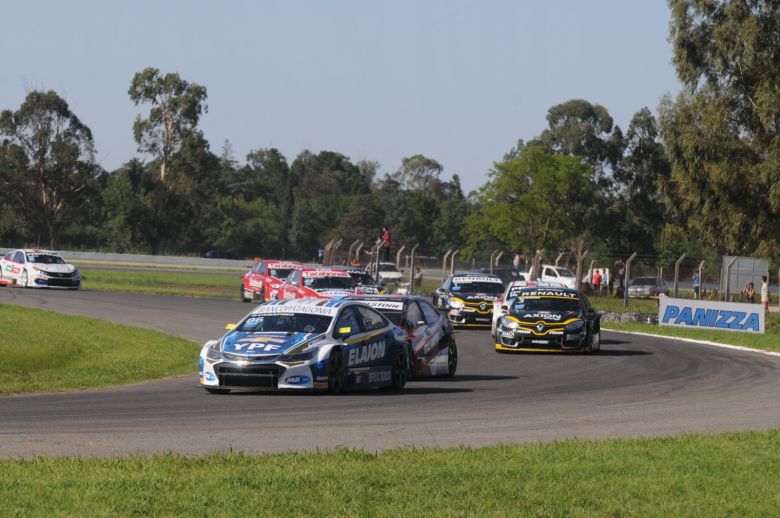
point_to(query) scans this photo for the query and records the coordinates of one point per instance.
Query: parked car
(306, 344)
(38, 269)
(552, 273)
(645, 287)
(429, 334)
(388, 273)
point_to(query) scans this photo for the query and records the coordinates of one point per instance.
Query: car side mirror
(230, 326)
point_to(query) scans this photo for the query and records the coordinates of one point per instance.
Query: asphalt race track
(637, 386)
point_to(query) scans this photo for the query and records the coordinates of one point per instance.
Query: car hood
(264, 344)
(56, 268)
(473, 297)
(335, 293)
(548, 317)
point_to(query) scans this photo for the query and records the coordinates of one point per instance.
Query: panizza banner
(711, 314)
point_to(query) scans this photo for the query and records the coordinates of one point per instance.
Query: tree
(537, 200)
(580, 128)
(723, 131)
(176, 109)
(50, 162)
(417, 172)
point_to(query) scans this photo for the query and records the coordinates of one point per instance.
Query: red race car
(329, 283)
(263, 281)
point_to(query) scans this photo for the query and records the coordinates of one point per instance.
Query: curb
(701, 342)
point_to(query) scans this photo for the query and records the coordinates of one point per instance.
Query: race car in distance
(468, 298)
(362, 279)
(323, 282)
(551, 320)
(429, 334)
(38, 269)
(306, 344)
(262, 282)
(501, 304)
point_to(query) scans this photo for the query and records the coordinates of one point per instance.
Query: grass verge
(47, 351)
(186, 284)
(729, 474)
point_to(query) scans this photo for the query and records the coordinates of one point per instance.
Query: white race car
(502, 304)
(38, 269)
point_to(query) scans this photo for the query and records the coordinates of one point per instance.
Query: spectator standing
(750, 292)
(516, 261)
(321, 255)
(418, 277)
(386, 244)
(597, 283)
(765, 292)
(696, 285)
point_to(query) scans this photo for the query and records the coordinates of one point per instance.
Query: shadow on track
(367, 392)
(464, 377)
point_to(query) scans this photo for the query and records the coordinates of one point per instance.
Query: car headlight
(575, 326)
(76, 273)
(213, 353)
(300, 357)
(509, 324)
(455, 304)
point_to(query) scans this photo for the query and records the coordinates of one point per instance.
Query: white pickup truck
(557, 274)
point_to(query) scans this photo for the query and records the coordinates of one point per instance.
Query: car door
(436, 327)
(416, 326)
(18, 265)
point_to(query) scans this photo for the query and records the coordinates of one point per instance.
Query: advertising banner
(710, 314)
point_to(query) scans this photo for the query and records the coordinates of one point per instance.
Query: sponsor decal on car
(383, 376)
(297, 380)
(366, 353)
(474, 278)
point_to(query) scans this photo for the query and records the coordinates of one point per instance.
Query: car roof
(37, 251)
(547, 291)
(394, 297)
(315, 306)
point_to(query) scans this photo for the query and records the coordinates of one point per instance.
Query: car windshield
(546, 304)
(478, 287)
(285, 322)
(45, 259)
(362, 278)
(279, 273)
(329, 282)
(643, 281)
(564, 272)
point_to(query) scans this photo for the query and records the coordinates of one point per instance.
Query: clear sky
(458, 81)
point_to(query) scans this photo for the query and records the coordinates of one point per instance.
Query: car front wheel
(23, 281)
(452, 359)
(400, 366)
(337, 377)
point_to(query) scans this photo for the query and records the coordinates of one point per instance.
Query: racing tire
(452, 359)
(24, 280)
(217, 390)
(412, 372)
(595, 342)
(244, 298)
(398, 374)
(337, 374)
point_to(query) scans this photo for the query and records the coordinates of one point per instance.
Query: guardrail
(154, 260)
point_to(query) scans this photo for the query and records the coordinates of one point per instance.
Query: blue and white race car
(318, 344)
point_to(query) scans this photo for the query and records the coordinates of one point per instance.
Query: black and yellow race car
(550, 320)
(468, 298)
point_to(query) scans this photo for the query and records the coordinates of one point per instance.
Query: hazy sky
(458, 81)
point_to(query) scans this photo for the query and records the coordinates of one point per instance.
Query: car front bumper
(553, 341)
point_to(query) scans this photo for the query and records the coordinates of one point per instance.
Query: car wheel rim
(336, 372)
(24, 279)
(452, 360)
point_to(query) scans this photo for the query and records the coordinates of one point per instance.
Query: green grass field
(187, 284)
(723, 475)
(47, 351)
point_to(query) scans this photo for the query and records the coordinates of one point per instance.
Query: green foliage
(730, 474)
(537, 200)
(82, 352)
(722, 132)
(176, 107)
(47, 169)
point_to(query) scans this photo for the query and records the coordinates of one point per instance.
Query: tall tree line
(701, 178)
